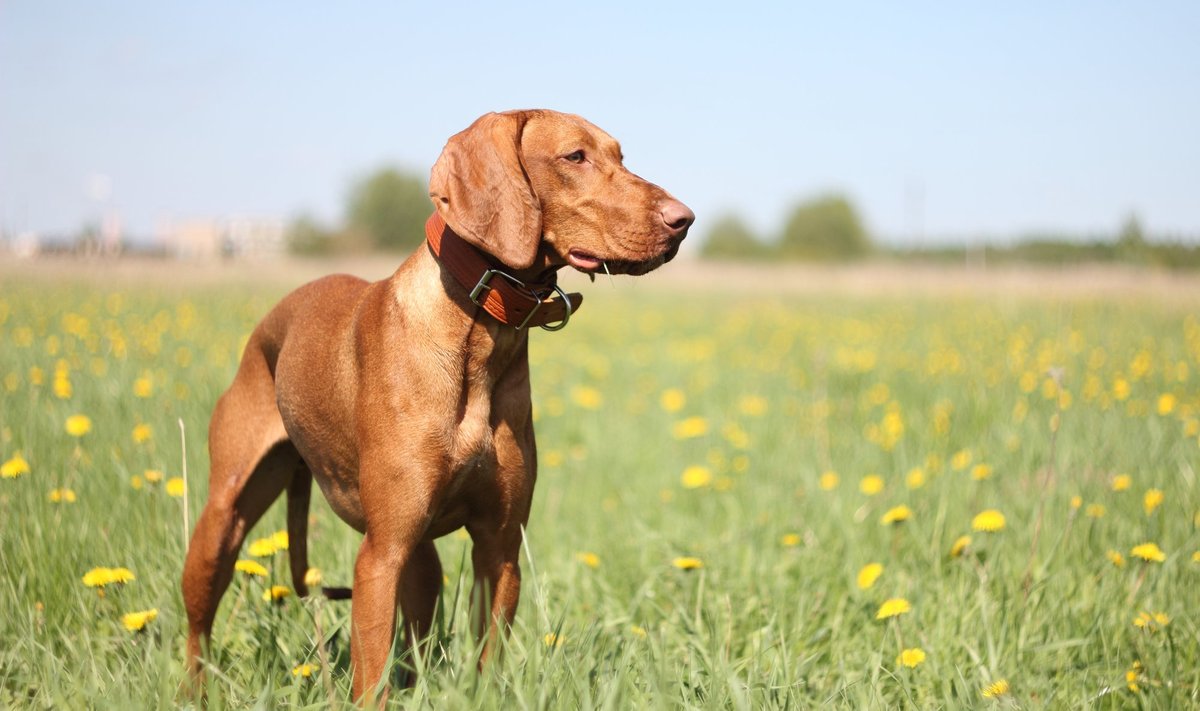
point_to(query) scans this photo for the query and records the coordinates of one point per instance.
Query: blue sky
(946, 120)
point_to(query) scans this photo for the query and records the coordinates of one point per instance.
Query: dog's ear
(480, 189)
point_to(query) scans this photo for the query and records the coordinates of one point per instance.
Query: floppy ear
(479, 188)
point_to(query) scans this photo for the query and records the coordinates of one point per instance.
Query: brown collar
(509, 300)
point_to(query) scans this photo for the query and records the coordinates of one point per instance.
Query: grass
(775, 407)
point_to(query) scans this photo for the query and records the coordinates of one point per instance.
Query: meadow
(796, 499)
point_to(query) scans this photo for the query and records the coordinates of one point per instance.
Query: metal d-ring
(566, 315)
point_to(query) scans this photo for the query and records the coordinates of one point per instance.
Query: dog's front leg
(396, 525)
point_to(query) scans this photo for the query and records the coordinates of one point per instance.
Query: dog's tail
(336, 593)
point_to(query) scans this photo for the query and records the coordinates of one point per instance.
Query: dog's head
(542, 186)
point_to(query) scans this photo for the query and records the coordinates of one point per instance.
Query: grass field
(851, 499)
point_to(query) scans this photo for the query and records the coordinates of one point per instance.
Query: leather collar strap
(506, 298)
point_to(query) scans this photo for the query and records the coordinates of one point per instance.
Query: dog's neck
(517, 299)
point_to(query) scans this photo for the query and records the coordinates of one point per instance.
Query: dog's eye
(576, 157)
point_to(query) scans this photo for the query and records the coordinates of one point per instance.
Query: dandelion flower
(143, 387)
(828, 481)
(1196, 557)
(696, 477)
(911, 658)
(990, 520)
(276, 593)
(961, 460)
(1133, 676)
(60, 496)
(1095, 511)
(979, 472)
(142, 433)
(1115, 558)
(153, 476)
(690, 428)
(898, 514)
(280, 539)
(78, 425)
(136, 621)
(312, 577)
(304, 670)
(100, 577)
(960, 544)
(996, 689)
(176, 487)
(639, 632)
(1166, 404)
(250, 567)
(588, 398)
(752, 405)
(790, 540)
(15, 467)
(687, 563)
(868, 575)
(1121, 482)
(591, 560)
(552, 640)
(1152, 500)
(263, 548)
(1149, 552)
(672, 400)
(892, 608)
(1076, 501)
(871, 484)
(1151, 622)
(915, 478)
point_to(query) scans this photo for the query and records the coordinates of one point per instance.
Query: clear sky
(948, 120)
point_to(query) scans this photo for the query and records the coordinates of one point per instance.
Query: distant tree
(389, 208)
(825, 229)
(730, 238)
(1131, 241)
(308, 237)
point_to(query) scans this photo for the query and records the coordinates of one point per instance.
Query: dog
(408, 399)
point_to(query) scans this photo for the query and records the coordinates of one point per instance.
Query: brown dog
(408, 399)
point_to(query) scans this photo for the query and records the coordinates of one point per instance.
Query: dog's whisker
(610, 279)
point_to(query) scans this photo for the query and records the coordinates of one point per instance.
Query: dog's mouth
(589, 263)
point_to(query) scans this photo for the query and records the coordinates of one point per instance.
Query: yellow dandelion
(1196, 557)
(960, 544)
(690, 428)
(552, 640)
(696, 477)
(911, 658)
(137, 482)
(828, 481)
(587, 397)
(897, 514)
(752, 405)
(1166, 404)
(961, 460)
(15, 467)
(1095, 511)
(672, 400)
(995, 689)
(280, 539)
(868, 575)
(893, 607)
(790, 540)
(100, 577)
(136, 621)
(62, 496)
(591, 560)
(1121, 482)
(1076, 501)
(153, 476)
(250, 567)
(636, 631)
(871, 484)
(1151, 622)
(276, 593)
(1149, 552)
(1152, 500)
(142, 434)
(979, 472)
(990, 521)
(687, 563)
(1115, 558)
(78, 425)
(312, 577)
(263, 548)
(915, 478)
(1133, 676)
(304, 670)
(143, 387)
(62, 387)
(176, 487)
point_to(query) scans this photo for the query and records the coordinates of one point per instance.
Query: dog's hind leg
(252, 463)
(299, 491)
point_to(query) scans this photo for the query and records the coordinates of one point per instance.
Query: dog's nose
(677, 216)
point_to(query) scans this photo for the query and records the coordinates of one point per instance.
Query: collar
(509, 300)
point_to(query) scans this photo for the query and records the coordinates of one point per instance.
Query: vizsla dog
(408, 399)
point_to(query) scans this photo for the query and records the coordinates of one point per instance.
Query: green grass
(787, 388)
